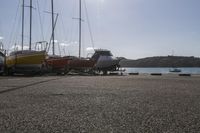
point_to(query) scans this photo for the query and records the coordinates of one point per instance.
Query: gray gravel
(141, 104)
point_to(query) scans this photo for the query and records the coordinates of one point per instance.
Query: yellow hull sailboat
(25, 61)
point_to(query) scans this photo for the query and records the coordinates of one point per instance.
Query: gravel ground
(106, 104)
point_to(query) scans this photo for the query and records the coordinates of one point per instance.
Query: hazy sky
(129, 28)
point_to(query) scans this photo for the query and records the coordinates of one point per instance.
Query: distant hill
(162, 61)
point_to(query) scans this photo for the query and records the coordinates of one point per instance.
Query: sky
(129, 28)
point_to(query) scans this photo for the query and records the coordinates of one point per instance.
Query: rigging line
(14, 23)
(1, 29)
(44, 20)
(16, 32)
(64, 51)
(57, 43)
(40, 20)
(48, 31)
(59, 48)
(45, 23)
(64, 29)
(89, 26)
(72, 27)
(51, 38)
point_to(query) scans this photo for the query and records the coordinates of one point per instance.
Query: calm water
(193, 70)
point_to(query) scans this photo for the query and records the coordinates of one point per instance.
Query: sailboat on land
(102, 60)
(79, 63)
(55, 63)
(25, 61)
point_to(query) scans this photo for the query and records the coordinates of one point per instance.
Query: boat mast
(53, 37)
(30, 39)
(80, 28)
(22, 24)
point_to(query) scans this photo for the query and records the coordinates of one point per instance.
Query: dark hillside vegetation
(162, 61)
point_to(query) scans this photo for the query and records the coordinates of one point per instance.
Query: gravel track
(140, 104)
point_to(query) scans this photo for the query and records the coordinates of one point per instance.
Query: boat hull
(107, 63)
(28, 61)
(81, 64)
(175, 70)
(2, 62)
(58, 64)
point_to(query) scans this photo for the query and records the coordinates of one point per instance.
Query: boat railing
(41, 46)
